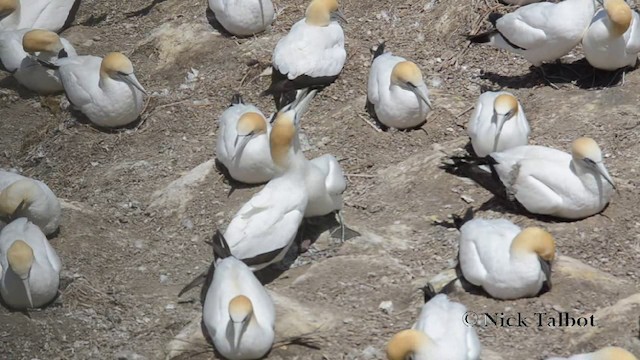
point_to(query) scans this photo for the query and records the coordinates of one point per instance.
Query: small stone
(386, 307)
(164, 279)
(170, 307)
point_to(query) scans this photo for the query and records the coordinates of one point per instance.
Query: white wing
(80, 75)
(527, 26)
(46, 14)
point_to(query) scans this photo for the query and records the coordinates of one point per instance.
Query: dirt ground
(129, 241)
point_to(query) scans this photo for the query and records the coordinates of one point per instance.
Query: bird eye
(589, 162)
(122, 73)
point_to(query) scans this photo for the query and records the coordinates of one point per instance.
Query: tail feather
(379, 51)
(483, 37)
(494, 17)
(429, 292)
(459, 221)
(220, 246)
(237, 99)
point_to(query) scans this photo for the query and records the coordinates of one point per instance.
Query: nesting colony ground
(139, 203)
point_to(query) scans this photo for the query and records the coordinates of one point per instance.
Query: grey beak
(238, 149)
(133, 81)
(420, 94)
(501, 120)
(546, 269)
(338, 16)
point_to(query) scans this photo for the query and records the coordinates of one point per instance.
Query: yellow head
(407, 75)
(620, 14)
(251, 123)
(16, 196)
(506, 105)
(613, 353)
(7, 7)
(116, 63)
(535, 240)
(319, 12)
(283, 132)
(41, 40)
(117, 66)
(240, 312)
(20, 258)
(406, 343)
(586, 148)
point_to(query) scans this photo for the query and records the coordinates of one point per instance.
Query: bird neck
(13, 19)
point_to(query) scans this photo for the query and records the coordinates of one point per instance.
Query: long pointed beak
(133, 81)
(18, 210)
(237, 332)
(238, 149)
(420, 94)
(28, 290)
(338, 15)
(605, 174)
(545, 266)
(500, 120)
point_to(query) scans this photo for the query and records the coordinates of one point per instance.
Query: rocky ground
(139, 203)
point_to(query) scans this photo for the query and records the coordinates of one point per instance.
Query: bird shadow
(579, 73)
(82, 119)
(145, 10)
(234, 184)
(10, 82)
(94, 20)
(211, 18)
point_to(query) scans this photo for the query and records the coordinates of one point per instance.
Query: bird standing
(438, 334)
(29, 266)
(243, 143)
(243, 17)
(613, 38)
(498, 123)
(311, 55)
(396, 91)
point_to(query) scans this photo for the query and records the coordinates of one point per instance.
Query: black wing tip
(220, 246)
(459, 221)
(48, 64)
(379, 50)
(428, 292)
(482, 38)
(237, 99)
(494, 17)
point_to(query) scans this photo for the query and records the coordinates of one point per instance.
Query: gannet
(607, 353)
(506, 261)
(238, 313)
(20, 51)
(613, 39)
(29, 266)
(396, 91)
(34, 14)
(311, 55)
(243, 143)
(105, 90)
(551, 182)
(243, 17)
(497, 123)
(325, 182)
(438, 334)
(21, 196)
(264, 228)
(540, 32)
(519, 2)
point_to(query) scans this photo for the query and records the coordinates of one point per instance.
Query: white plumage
(315, 51)
(438, 334)
(519, 2)
(613, 42)
(488, 258)
(543, 31)
(42, 268)
(243, 17)
(252, 338)
(497, 123)
(547, 181)
(397, 91)
(39, 203)
(325, 183)
(36, 14)
(107, 93)
(26, 68)
(243, 144)
(607, 353)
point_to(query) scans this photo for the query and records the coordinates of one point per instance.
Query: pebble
(386, 307)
